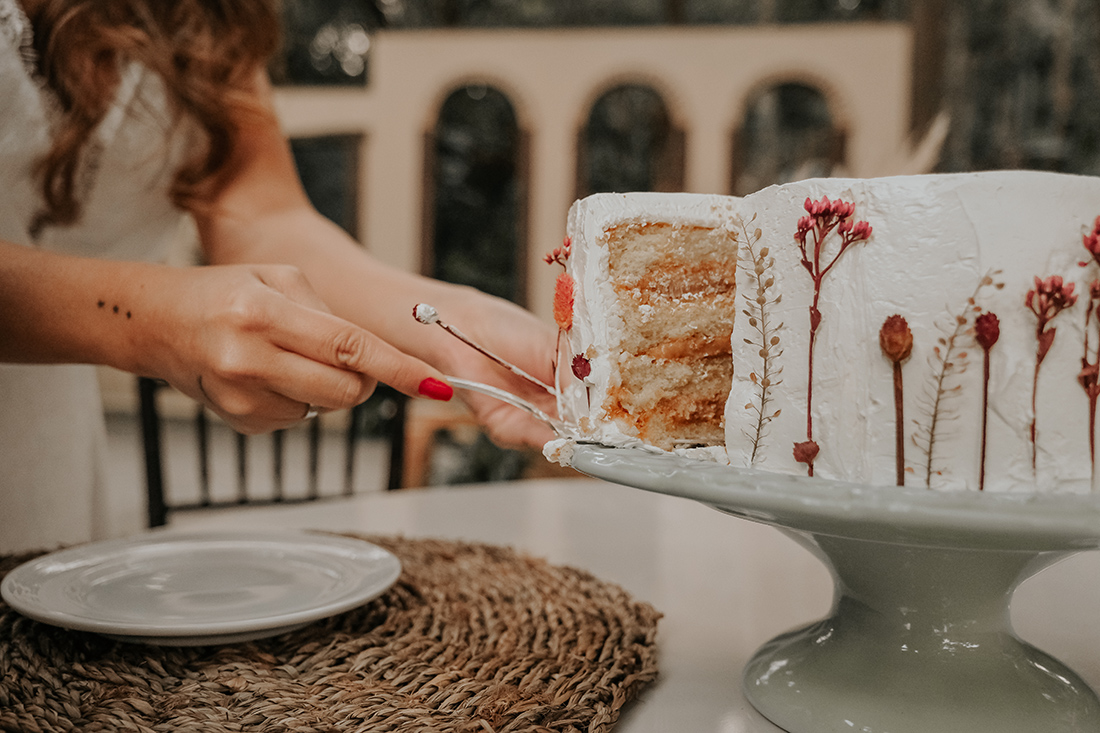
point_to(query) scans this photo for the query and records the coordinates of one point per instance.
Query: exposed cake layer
(659, 273)
(672, 402)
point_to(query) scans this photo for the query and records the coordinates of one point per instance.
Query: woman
(120, 117)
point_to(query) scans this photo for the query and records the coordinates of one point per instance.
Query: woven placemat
(471, 638)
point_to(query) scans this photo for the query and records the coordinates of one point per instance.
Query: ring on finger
(311, 412)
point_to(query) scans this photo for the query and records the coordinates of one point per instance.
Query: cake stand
(919, 638)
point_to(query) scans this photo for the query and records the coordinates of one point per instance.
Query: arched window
(788, 134)
(474, 199)
(629, 144)
(329, 169)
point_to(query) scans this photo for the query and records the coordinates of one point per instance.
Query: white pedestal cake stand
(919, 638)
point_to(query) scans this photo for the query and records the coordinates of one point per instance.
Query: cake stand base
(919, 640)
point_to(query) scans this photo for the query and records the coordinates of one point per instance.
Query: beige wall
(552, 77)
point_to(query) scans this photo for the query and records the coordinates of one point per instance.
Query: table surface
(725, 585)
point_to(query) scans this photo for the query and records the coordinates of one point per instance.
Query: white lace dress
(52, 434)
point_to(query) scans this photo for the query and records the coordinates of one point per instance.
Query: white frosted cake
(902, 269)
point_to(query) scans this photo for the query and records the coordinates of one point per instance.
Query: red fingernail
(436, 390)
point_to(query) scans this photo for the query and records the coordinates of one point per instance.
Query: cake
(955, 328)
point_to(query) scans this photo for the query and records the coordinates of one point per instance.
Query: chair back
(226, 468)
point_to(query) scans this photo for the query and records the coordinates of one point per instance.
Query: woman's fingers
(251, 411)
(329, 341)
(265, 351)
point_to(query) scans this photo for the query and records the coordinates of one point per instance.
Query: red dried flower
(895, 339)
(563, 302)
(987, 329)
(806, 452)
(581, 367)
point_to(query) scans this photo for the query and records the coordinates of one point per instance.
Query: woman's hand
(258, 346)
(259, 213)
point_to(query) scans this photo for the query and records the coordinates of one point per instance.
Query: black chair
(383, 415)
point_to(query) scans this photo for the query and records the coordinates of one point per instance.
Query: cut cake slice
(647, 356)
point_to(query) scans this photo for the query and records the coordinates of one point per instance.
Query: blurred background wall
(451, 135)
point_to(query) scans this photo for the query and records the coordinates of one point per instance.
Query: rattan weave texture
(471, 638)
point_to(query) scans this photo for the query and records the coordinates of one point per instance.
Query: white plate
(200, 588)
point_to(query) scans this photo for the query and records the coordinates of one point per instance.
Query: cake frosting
(937, 251)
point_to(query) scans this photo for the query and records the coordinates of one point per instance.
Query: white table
(725, 585)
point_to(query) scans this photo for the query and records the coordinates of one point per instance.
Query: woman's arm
(262, 215)
(253, 342)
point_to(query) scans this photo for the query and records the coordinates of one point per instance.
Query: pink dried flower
(560, 254)
(1049, 298)
(824, 218)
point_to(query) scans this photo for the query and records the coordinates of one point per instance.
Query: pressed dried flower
(896, 341)
(758, 264)
(806, 452)
(1089, 376)
(824, 217)
(1091, 240)
(987, 329)
(563, 302)
(581, 366)
(947, 361)
(560, 255)
(1049, 298)
(563, 295)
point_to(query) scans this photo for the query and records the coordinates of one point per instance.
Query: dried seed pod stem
(767, 341)
(947, 360)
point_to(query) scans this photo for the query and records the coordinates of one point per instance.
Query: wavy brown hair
(207, 53)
